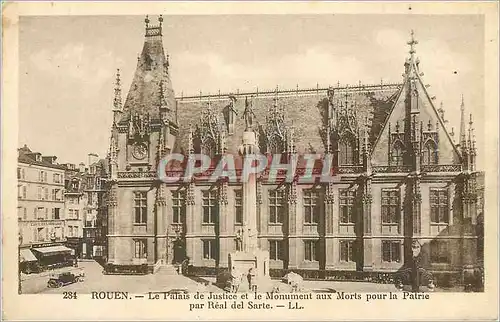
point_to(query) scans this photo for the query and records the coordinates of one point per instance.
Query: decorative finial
(441, 111)
(412, 42)
(147, 21)
(160, 20)
(117, 102)
(118, 77)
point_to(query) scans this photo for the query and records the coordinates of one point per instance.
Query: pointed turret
(462, 125)
(472, 145)
(366, 146)
(151, 89)
(190, 140)
(464, 148)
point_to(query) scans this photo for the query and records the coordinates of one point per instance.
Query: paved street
(95, 280)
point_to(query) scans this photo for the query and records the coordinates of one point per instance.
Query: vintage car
(66, 277)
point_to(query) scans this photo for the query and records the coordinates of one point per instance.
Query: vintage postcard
(250, 161)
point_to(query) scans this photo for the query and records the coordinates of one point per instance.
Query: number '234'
(69, 296)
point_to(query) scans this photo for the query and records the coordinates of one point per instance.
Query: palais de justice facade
(401, 177)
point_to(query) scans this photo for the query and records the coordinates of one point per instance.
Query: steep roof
(151, 78)
(428, 118)
(304, 109)
(26, 156)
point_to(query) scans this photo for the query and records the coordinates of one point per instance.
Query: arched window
(346, 151)
(209, 148)
(430, 155)
(276, 146)
(397, 154)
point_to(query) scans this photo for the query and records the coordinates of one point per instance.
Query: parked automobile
(64, 278)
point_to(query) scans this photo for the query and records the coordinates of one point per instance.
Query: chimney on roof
(70, 166)
(81, 167)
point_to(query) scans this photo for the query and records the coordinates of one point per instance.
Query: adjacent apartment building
(40, 198)
(84, 189)
(75, 202)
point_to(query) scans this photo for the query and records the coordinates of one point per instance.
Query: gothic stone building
(400, 178)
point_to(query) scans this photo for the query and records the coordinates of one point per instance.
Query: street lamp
(19, 291)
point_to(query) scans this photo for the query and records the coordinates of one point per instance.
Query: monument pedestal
(242, 262)
(251, 263)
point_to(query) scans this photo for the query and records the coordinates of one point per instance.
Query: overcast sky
(67, 64)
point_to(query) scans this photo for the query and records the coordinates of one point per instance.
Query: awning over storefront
(26, 256)
(54, 250)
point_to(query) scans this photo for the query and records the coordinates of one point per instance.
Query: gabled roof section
(429, 118)
(151, 78)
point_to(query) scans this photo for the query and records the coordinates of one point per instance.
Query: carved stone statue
(239, 241)
(231, 104)
(248, 114)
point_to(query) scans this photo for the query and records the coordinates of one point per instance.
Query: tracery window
(346, 151)
(209, 148)
(430, 155)
(397, 154)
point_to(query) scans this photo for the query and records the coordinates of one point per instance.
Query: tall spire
(117, 101)
(462, 124)
(151, 86)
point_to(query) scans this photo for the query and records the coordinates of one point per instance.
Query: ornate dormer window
(209, 137)
(276, 145)
(276, 131)
(430, 153)
(344, 130)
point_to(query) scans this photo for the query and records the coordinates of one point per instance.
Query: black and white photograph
(327, 156)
